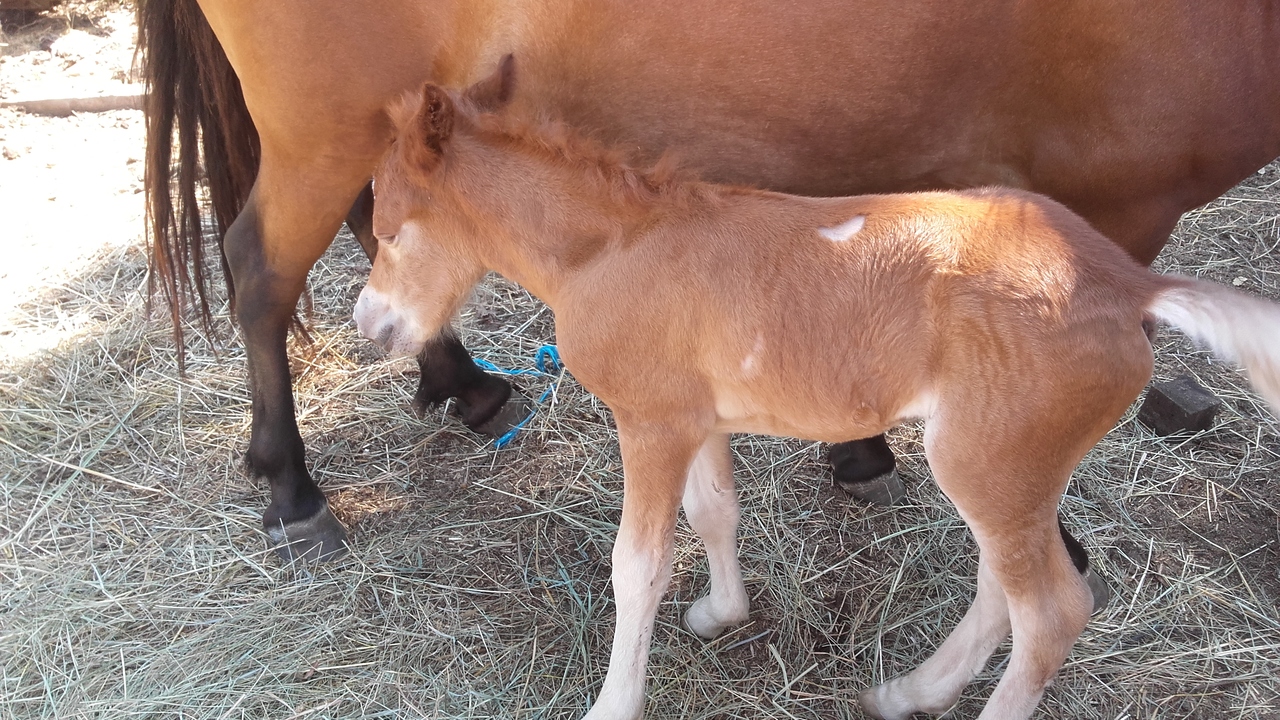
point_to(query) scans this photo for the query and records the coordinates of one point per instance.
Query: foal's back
(836, 318)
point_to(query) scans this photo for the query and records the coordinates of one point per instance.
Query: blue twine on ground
(548, 364)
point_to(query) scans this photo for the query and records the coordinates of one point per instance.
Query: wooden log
(32, 5)
(62, 107)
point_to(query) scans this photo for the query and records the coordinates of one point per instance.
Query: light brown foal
(696, 310)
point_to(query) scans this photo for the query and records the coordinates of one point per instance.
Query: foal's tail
(1235, 326)
(192, 93)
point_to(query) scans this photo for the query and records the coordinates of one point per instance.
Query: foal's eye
(387, 239)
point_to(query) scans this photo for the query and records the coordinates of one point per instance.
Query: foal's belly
(804, 430)
(812, 411)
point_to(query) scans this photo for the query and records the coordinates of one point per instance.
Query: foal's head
(427, 258)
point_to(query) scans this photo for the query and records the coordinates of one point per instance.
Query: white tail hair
(1233, 325)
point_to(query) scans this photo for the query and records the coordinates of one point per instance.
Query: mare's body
(1010, 325)
(1129, 112)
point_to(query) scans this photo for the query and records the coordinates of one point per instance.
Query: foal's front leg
(655, 458)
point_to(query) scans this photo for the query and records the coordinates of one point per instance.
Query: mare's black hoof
(319, 537)
(421, 406)
(512, 413)
(1100, 589)
(886, 489)
(867, 470)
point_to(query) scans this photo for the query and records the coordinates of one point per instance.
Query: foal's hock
(695, 311)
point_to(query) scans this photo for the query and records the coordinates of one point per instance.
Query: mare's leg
(1080, 559)
(360, 222)
(867, 470)
(655, 459)
(711, 504)
(284, 228)
(445, 368)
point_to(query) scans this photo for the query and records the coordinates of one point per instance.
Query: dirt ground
(71, 187)
(134, 580)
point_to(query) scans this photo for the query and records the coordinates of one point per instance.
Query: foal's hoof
(319, 537)
(512, 413)
(871, 706)
(701, 620)
(892, 701)
(1100, 589)
(867, 703)
(886, 489)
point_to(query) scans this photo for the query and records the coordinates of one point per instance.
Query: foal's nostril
(384, 336)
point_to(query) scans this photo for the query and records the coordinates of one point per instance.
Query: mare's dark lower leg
(447, 371)
(445, 368)
(360, 221)
(298, 518)
(867, 470)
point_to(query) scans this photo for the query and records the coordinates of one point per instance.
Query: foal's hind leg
(1049, 605)
(937, 683)
(1026, 583)
(445, 368)
(1005, 472)
(711, 504)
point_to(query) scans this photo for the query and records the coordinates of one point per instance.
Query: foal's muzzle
(379, 321)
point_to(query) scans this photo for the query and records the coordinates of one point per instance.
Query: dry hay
(136, 583)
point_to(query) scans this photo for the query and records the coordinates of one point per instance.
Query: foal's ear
(434, 118)
(491, 93)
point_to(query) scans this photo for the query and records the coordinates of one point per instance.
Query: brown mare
(1130, 112)
(1016, 330)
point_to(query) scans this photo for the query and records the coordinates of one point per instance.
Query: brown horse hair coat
(1129, 112)
(1016, 331)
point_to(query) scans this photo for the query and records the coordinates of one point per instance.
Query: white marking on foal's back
(845, 230)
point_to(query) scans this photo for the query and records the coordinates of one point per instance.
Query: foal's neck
(559, 215)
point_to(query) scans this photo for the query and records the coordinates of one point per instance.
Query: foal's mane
(665, 183)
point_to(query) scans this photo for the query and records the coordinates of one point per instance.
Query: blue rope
(548, 364)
